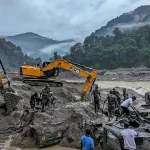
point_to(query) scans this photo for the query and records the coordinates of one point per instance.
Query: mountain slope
(32, 43)
(137, 18)
(121, 50)
(125, 47)
(13, 57)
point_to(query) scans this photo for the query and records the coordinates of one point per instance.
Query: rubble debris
(11, 100)
(62, 125)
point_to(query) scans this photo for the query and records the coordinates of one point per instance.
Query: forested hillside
(123, 49)
(137, 18)
(35, 45)
(12, 56)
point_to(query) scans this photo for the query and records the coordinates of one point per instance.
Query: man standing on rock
(97, 98)
(117, 95)
(46, 89)
(33, 100)
(87, 143)
(45, 99)
(115, 92)
(125, 94)
(52, 99)
(111, 104)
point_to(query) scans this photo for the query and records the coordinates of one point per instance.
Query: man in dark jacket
(97, 97)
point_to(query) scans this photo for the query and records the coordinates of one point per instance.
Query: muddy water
(139, 87)
(7, 145)
(53, 148)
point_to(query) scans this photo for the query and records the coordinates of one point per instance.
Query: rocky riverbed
(66, 122)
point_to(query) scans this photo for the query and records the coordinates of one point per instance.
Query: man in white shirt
(128, 137)
(127, 103)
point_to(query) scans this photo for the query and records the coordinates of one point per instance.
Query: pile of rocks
(64, 124)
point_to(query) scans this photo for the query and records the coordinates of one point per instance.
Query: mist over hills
(13, 57)
(123, 43)
(132, 34)
(137, 18)
(36, 45)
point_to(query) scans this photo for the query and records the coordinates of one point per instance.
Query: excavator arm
(42, 74)
(90, 76)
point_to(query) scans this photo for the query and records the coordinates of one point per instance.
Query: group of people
(87, 143)
(114, 100)
(46, 99)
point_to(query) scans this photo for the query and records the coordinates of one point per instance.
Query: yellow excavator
(40, 76)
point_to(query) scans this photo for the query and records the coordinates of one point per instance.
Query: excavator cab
(35, 76)
(112, 139)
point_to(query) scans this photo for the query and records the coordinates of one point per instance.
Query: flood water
(139, 87)
(7, 145)
(50, 148)
(53, 148)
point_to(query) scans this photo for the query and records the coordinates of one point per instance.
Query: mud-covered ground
(70, 117)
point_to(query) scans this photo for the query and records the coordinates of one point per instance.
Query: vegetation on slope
(123, 49)
(12, 56)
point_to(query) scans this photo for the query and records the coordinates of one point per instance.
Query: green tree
(123, 49)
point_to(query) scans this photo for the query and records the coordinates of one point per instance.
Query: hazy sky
(61, 19)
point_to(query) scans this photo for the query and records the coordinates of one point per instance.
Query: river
(139, 87)
(7, 146)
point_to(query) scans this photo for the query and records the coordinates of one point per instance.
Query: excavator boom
(41, 76)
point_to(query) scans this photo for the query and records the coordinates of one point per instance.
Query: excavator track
(41, 82)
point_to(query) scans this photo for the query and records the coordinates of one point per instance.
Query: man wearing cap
(128, 137)
(125, 94)
(111, 104)
(97, 98)
(127, 103)
(117, 95)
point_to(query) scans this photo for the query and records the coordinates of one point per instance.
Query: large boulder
(65, 125)
(11, 99)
